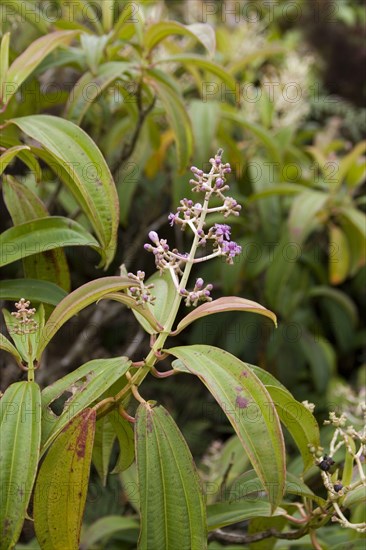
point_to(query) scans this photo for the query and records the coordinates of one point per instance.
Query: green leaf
(299, 421)
(23, 206)
(164, 292)
(229, 303)
(357, 496)
(349, 161)
(41, 234)
(355, 217)
(20, 434)
(172, 505)
(6, 345)
(303, 216)
(249, 484)
(248, 406)
(130, 302)
(87, 384)
(226, 513)
(33, 289)
(62, 483)
(4, 60)
(25, 154)
(279, 189)
(88, 176)
(204, 117)
(9, 154)
(204, 64)
(338, 296)
(267, 378)
(90, 86)
(27, 62)
(125, 436)
(30, 12)
(316, 355)
(200, 31)
(356, 245)
(104, 528)
(103, 446)
(78, 300)
(339, 255)
(176, 113)
(230, 114)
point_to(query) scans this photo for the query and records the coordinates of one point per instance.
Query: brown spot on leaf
(244, 373)
(241, 402)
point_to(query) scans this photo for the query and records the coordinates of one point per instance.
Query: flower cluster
(141, 292)
(200, 293)
(193, 215)
(25, 322)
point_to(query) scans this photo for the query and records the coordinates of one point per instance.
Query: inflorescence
(25, 324)
(193, 215)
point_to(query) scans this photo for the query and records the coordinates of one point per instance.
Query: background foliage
(155, 89)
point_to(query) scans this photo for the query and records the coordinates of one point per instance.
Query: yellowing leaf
(339, 255)
(62, 483)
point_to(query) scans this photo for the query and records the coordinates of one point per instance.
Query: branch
(246, 538)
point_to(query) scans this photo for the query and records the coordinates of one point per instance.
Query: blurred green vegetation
(278, 88)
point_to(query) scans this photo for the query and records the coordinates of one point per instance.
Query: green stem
(160, 341)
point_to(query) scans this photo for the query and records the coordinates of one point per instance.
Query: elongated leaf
(226, 513)
(25, 64)
(338, 296)
(25, 154)
(94, 384)
(248, 406)
(229, 303)
(90, 86)
(104, 528)
(303, 216)
(200, 31)
(103, 446)
(357, 496)
(279, 189)
(130, 302)
(299, 421)
(78, 300)
(164, 292)
(339, 256)
(20, 434)
(249, 484)
(230, 114)
(172, 506)
(33, 289)
(62, 483)
(176, 113)
(8, 156)
(4, 60)
(125, 436)
(30, 12)
(355, 217)
(267, 378)
(42, 234)
(89, 178)
(356, 245)
(204, 64)
(349, 160)
(6, 345)
(24, 206)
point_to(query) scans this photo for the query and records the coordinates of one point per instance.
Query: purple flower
(173, 218)
(230, 250)
(222, 231)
